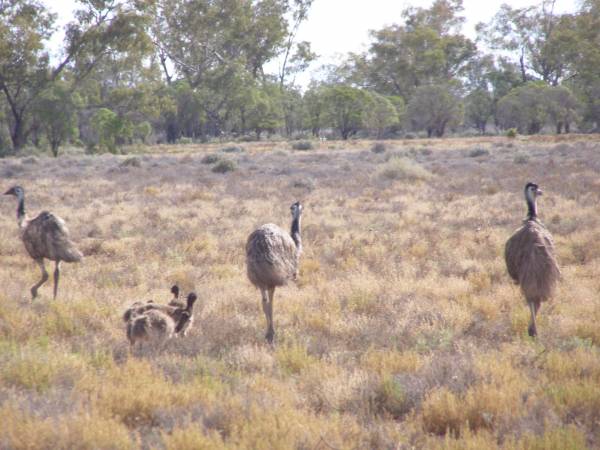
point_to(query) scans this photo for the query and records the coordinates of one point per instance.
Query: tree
(299, 61)
(524, 108)
(110, 129)
(316, 108)
(265, 110)
(427, 49)
(346, 109)
(56, 111)
(102, 27)
(433, 108)
(380, 115)
(563, 107)
(479, 107)
(539, 39)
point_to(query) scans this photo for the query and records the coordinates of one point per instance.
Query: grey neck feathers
(531, 206)
(295, 233)
(21, 209)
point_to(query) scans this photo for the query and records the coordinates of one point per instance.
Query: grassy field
(402, 332)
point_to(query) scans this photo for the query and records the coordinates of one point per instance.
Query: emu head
(17, 191)
(296, 210)
(532, 191)
(191, 299)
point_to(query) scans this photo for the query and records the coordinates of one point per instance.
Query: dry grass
(402, 332)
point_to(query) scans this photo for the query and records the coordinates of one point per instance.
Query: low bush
(302, 145)
(224, 166)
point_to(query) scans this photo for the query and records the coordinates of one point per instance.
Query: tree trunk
(559, 127)
(54, 147)
(17, 134)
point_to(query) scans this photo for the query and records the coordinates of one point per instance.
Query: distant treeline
(152, 71)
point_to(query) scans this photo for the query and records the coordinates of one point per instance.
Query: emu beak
(539, 192)
(9, 192)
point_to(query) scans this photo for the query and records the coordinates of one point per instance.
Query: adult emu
(272, 258)
(530, 260)
(45, 236)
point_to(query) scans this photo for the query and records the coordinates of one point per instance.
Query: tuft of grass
(521, 158)
(293, 358)
(38, 370)
(390, 398)
(224, 166)
(399, 168)
(192, 438)
(85, 430)
(443, 412)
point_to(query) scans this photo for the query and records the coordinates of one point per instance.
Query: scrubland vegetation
(179, 71)
(403, 330)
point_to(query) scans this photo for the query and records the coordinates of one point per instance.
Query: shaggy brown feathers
(272, 259)
(45, 236)
(181, 316)
(152, 325)
(530, 259)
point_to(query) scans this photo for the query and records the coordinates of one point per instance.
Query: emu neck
(190, 306)
(21, 216)
(531, 208)
(295, 233)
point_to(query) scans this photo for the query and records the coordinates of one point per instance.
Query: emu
(272, 259)
(182, 316)
(45, 236)
(530, 260)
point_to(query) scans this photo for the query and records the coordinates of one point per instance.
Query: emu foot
(532, 331)
(270, 336)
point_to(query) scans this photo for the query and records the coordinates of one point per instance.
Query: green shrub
(134, 161)
(232, 149)
(379, 147)
(476, 152)
(224, 165)
(185, 140)
(210, 159)
(302, 145)
(511, 133)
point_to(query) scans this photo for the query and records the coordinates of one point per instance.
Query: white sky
(336, 27)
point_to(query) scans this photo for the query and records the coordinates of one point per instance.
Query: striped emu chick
(530, 259)
(153, 325)
(272, 258)
(176, 313)
(45, 237)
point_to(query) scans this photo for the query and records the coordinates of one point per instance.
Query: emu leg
(56, 275)
(36, 286)
(270, 331)
(268, 310)
(533, 307)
